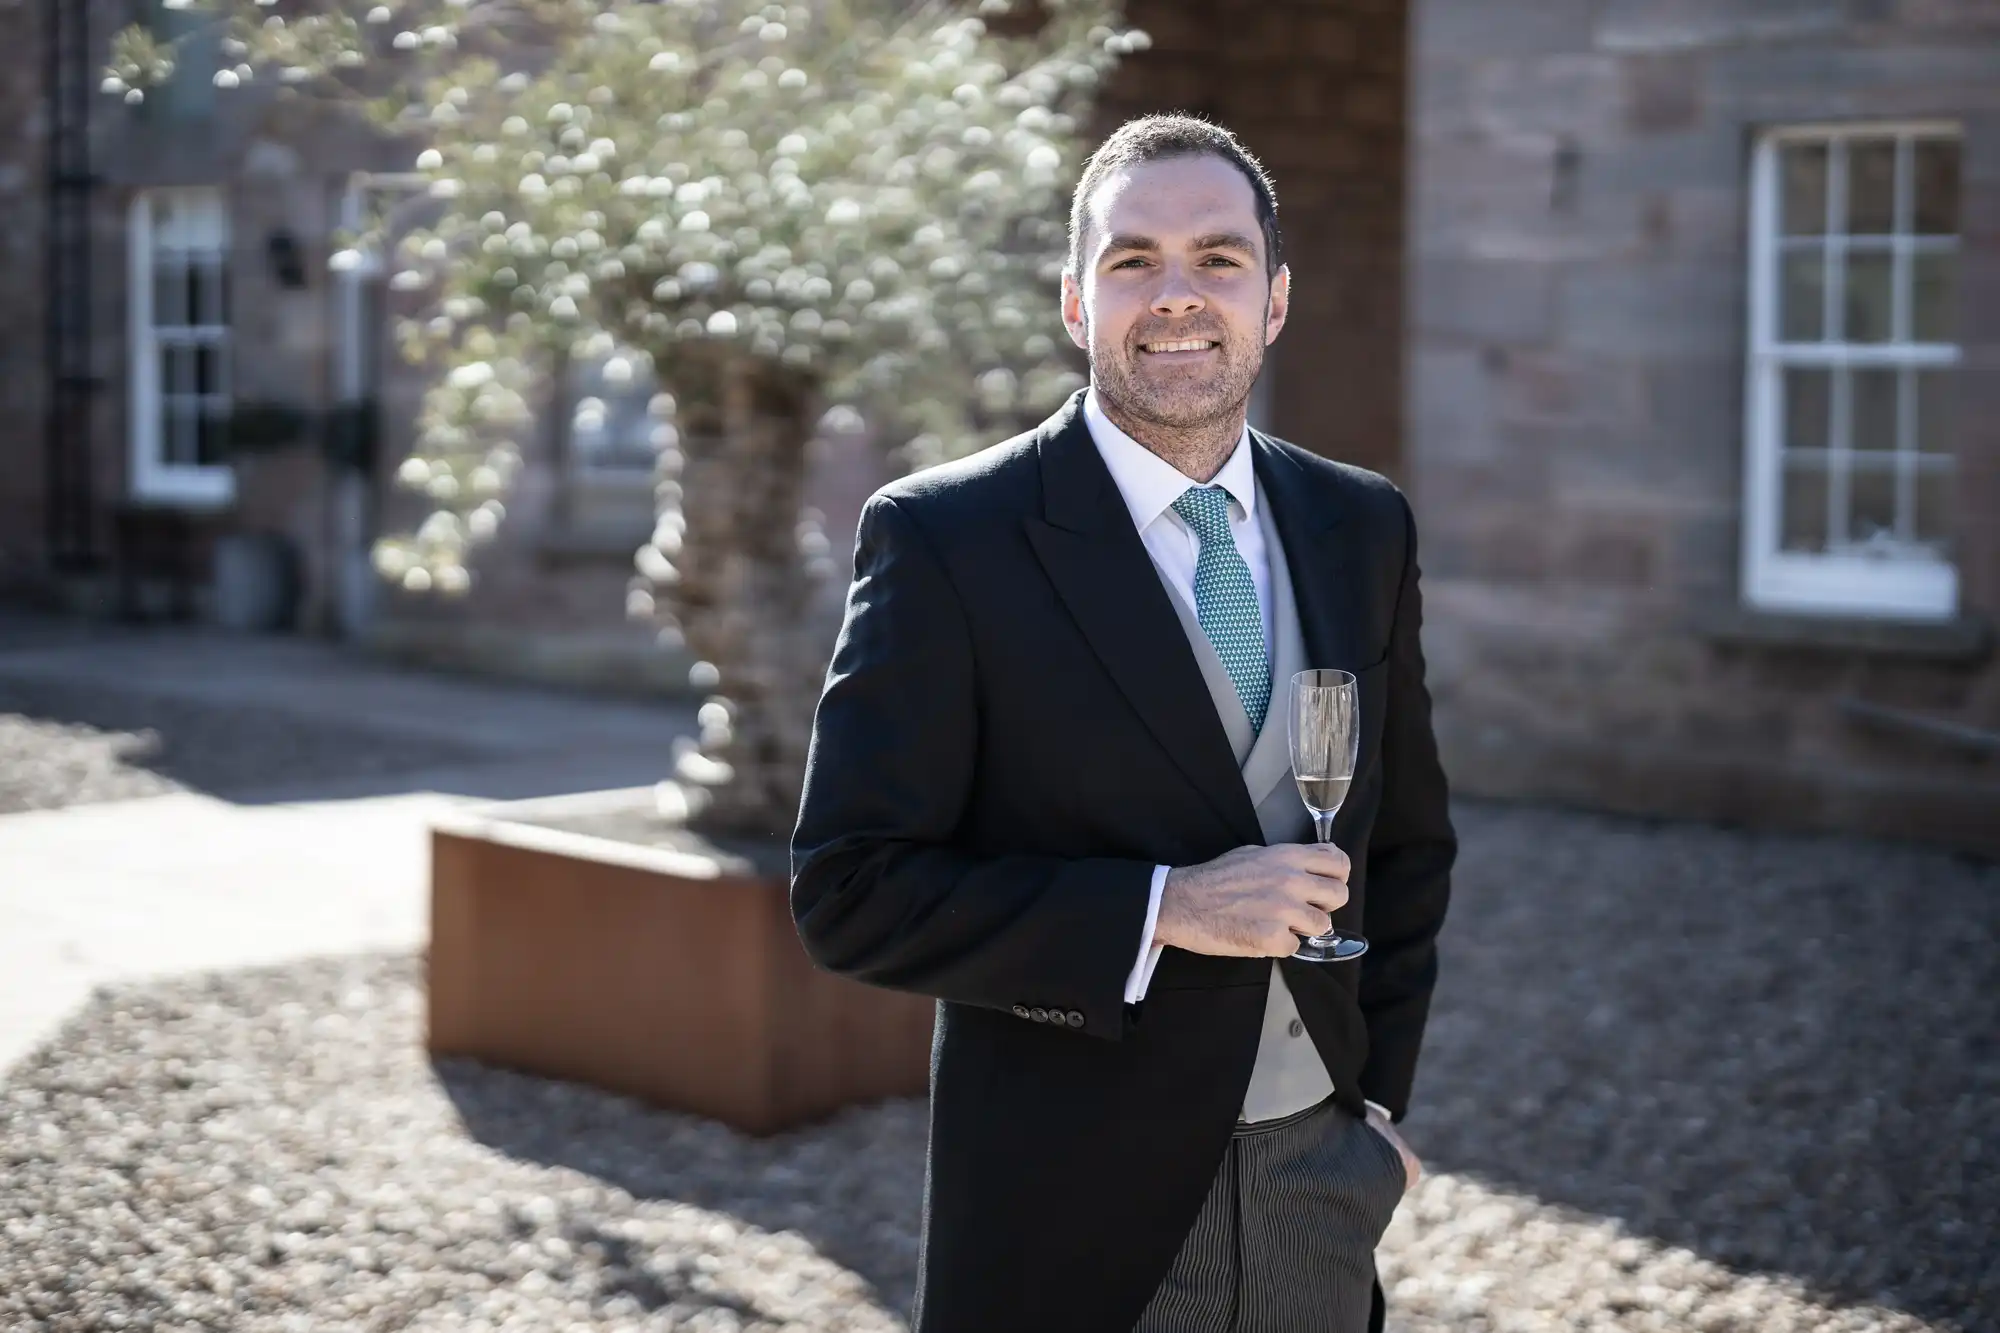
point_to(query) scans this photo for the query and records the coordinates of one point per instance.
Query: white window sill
(1854, 586)
(185, 488)
(1961, 639)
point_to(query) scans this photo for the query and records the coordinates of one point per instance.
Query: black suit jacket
(1013, 733)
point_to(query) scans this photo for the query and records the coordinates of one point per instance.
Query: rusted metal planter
(587, 938)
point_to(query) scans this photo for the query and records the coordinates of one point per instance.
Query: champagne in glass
(1326, 740)
(1324, 793)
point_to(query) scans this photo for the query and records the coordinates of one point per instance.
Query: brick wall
(1578, 315)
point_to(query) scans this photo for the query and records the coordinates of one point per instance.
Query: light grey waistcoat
(1289, 1075)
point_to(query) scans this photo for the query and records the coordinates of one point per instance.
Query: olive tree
(770, 208)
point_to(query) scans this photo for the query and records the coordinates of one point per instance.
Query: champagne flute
(1324, 725)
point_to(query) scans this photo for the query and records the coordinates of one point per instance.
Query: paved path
(268, 864)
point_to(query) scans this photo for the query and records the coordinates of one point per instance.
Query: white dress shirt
(1150, 485)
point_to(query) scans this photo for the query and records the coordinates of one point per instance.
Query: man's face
(1173, 255)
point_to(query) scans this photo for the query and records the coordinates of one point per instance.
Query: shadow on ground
(235, 751)
(851, 1186)
(281, 1145)
(1782, 1053)
(90, 714)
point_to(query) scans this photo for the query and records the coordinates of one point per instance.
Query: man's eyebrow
(1126, 240)
(1224, 240)
(1215, 240)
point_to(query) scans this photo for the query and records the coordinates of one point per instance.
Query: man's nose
(1176, 295)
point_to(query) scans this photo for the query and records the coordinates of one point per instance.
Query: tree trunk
(744, 594)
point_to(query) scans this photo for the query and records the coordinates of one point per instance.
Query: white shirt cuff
(1141, 975)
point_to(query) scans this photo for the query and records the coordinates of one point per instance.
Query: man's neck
(1196, 451)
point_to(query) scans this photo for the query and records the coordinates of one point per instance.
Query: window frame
(1828, 583)
(360, 317)
(153, 477)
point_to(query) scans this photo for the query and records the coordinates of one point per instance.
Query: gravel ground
(64, 744)
(1766, 1054)
(271, 1150)
(1678, 1078)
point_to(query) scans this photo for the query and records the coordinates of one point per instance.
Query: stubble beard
(1192, 423)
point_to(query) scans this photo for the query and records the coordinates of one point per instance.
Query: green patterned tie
(1225, 600)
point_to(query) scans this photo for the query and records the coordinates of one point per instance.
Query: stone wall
(1578, 316)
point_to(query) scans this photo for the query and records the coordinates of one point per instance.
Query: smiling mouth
(1184, 345)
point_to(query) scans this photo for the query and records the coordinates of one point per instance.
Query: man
(1050, 786)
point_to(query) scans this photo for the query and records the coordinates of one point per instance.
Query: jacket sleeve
(1410, 856)
(882, 888)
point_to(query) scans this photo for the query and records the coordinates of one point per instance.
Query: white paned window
(1849, 433)
(179, 312)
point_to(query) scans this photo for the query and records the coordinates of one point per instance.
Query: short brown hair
(1154, 138)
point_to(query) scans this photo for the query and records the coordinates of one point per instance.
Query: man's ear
(1074, 317)
(1279, 305)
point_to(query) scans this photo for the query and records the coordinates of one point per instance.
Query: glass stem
(1323, 824)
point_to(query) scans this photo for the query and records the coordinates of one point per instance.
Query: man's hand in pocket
(1413, 1170)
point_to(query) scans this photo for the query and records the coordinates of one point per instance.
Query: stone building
(1678, 320)
(1703, 407)
(197, 311)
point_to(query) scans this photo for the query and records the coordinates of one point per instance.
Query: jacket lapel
(1323, 557)
(1093, 555)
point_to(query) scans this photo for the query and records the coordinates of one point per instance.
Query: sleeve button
(1039, 1014)
(1020, 1011)
(1074, 1018)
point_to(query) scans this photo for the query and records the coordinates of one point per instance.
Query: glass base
(1332, 947)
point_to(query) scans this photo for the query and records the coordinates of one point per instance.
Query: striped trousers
(1285, 1242)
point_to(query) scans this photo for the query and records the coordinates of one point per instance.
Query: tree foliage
(760, 209)
(865, 195)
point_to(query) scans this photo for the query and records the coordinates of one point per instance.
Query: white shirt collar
(1149, 483)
